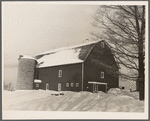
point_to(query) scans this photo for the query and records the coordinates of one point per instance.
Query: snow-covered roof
(66, 55)
(60, 58)
(97, 83)
(64, 48)
(28, 57)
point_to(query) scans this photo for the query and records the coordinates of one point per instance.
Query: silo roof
(28, 57)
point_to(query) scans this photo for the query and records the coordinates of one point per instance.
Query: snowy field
(41, 100)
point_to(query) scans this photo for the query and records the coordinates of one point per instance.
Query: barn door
(95, 87)
(59, 86)
(47, 86)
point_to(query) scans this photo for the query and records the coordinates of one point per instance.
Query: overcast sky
(35, 27)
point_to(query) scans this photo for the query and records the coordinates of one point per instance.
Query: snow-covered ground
(41, 100)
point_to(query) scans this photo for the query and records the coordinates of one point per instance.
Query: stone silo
(26, 72)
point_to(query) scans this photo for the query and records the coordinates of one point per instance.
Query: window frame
(77, 84)
(102, 75)
(59, 86)
(72, 85)
(60, 73)
(67, 84)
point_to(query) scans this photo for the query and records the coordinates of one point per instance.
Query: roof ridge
(65, 48)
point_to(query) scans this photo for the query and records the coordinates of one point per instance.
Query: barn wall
(70, 74)
(26, 74)
(100, 60)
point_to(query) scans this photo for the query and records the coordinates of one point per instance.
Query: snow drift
(41, 100)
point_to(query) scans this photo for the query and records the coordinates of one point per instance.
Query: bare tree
(124, 27)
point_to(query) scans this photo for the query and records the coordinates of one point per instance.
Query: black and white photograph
(75, 60)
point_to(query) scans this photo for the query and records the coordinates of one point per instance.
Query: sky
(34, 27)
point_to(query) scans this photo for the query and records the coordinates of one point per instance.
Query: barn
(87, 67)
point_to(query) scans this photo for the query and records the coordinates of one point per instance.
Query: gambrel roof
(64, 56)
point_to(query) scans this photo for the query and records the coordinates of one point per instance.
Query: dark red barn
(87, 67)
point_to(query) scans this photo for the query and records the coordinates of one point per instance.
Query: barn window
(77, 84)
(102, 44)
(37, 85)
(67, 84)
(72, 84)
(60, 73)
(102, 74)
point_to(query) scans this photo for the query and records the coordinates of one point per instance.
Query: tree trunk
(141, 77)
(140, 32)
(141, 69)
(141, 58)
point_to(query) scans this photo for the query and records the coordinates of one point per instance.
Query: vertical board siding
(82, 75)
(70, 74)
(100, 60)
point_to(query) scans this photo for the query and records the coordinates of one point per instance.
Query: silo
(26, 72)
